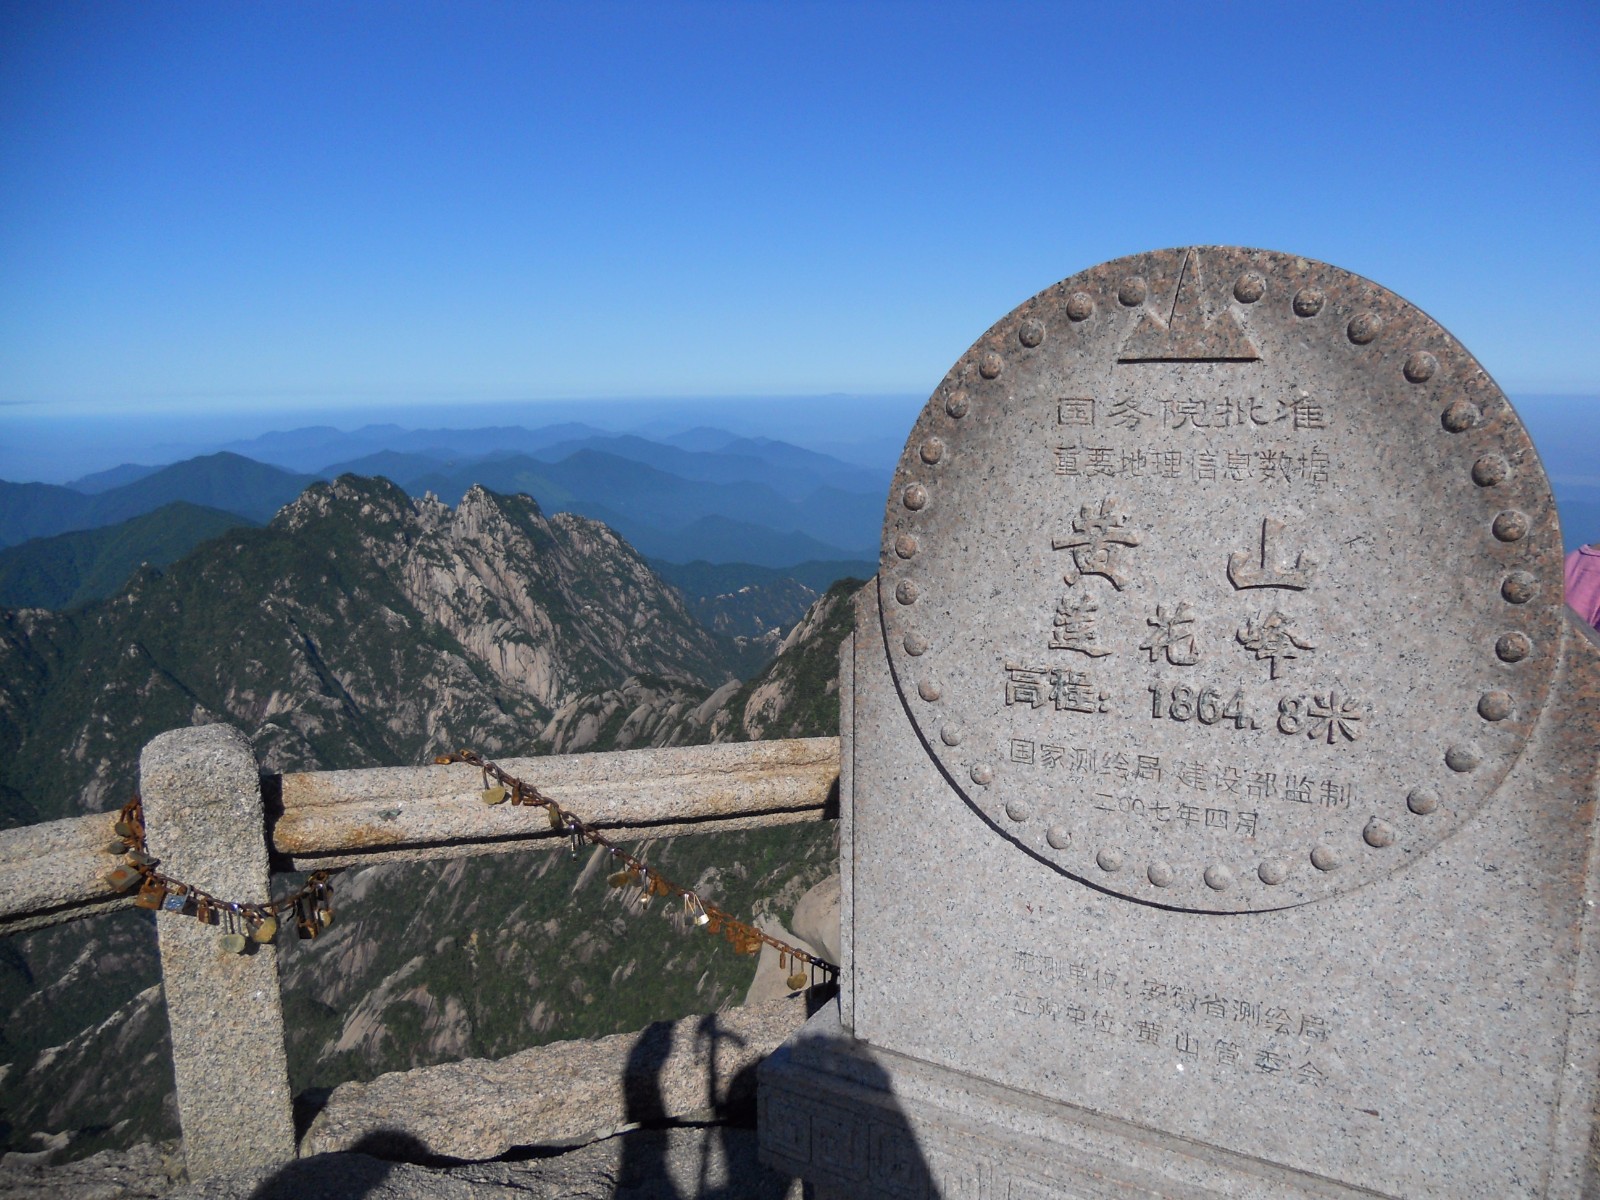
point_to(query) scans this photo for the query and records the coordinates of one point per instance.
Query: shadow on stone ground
(658, 1154)
(684, 1162)
(672, 1143)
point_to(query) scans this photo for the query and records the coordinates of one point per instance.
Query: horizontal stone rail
(346, 818)
(319, 820)
(51, 872)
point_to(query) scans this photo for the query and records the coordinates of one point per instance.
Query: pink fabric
(1583, 583)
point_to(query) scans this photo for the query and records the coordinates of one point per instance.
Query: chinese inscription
(1207, 465)
(1096, 541)
(1269, 572)
(1173, 635)
(1272, 638)
(1067, 690)
(1170, 1016)
(1074, 627)
(1231, 783)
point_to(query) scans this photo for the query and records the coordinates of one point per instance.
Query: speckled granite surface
(1218, 769)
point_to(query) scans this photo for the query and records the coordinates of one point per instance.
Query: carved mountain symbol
(1196, 329)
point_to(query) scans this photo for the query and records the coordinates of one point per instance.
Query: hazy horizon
(864, 429)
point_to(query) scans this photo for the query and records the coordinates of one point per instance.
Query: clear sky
(284, 206)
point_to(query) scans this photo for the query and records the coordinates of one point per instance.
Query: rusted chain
(242, 923)
(634, 872)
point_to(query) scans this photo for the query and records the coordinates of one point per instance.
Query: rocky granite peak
(359, 628)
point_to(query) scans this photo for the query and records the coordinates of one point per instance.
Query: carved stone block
(1219, 760)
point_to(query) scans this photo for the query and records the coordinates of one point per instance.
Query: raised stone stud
(1378, 834)
(915, 644)
(1017, 810)
(1109, 860)
(1308, 302)
(932, 451)
(1490, 470)
(1422, 801)
(1133, 291)
(1079, 306)
(982, 774)
(906, 592)
(1363, 327)
(1249, 288)
(905, 545)
(1519, 587)
(1030, 334)
(1460, 416)
(1511, 526)
(1160, 874)
(1059, 837)
(928, 690)
(1218, 878)
(1494, 706)
(990, 364)
(950, 735)
(956, 405)
(1463, 757)
(916, 497)
(1420, 367)
(1323, 857)
(1273, 872)
(1513, 647)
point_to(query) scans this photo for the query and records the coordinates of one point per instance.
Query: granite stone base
(853, 1121)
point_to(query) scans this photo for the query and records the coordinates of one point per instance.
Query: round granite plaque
(1221, 579)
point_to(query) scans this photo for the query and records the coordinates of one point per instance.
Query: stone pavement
(699, 1162)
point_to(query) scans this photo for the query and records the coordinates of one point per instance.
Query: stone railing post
(204, 821)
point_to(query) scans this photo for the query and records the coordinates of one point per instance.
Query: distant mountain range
(699, 494)
(227, 482)
(703, 494)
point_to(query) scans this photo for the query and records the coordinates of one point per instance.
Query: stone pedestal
(1149, 900)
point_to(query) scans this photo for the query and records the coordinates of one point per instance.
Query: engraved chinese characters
(1253, 532)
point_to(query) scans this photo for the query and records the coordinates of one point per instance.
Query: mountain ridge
(359, 628)
(70, 569)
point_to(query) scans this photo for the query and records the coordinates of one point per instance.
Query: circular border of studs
(1221, 579)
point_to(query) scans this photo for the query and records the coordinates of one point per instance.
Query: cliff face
(433, 962)
(797, 695)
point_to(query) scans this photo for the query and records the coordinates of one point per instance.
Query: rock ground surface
(703, 1162)
(561, 1094)
(666, 1113)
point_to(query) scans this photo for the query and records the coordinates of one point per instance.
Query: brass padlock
(493, 795)
(122, 879)
(305, 920)
(152, 894)
(234, 942)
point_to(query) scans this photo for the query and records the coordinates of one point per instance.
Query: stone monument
(1218, 770)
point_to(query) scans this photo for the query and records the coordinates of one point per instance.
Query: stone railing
(213, 819)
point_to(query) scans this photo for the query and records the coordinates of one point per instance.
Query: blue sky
(282, 209)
